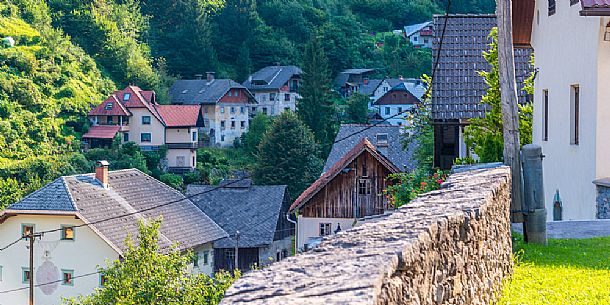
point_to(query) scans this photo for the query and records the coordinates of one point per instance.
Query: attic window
(108, 106)
(126, 96)
(382, 139)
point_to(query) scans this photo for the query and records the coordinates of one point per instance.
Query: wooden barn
(352, 188)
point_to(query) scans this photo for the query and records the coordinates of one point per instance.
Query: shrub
(407, 186)
(172, 180)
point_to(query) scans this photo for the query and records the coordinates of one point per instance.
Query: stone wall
(450, 246)
(602, 198)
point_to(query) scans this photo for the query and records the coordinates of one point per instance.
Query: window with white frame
(387, 110)
(67, 277)
(67, 232)
(545, 115)
(325, 229)
(574, 115)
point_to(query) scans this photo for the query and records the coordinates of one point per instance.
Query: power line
(426, 94)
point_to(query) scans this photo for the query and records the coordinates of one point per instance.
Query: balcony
(187, 145)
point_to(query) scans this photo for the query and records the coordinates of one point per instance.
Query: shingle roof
(129, 191)
(102, 132)
(328, 175)
(357, 71)
(200, 91)
(370, 87)
(271, 77)
(111, 106)
(181, 115)
(411, 29)
(457, 85)
(254, 210)
(400, 157)
(403, 99)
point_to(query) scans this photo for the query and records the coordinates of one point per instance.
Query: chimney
(101, 172)
(366, 81)
(198, 76)
(400, 77)
(210, 76)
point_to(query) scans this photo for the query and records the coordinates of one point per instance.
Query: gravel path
(574, 228)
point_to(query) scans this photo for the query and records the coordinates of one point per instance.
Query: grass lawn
(566, 272)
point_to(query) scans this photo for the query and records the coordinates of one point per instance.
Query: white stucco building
(275, 88)
(421, 34)
(69, 258)
(571, 106)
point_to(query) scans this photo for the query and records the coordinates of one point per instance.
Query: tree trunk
(510, 111)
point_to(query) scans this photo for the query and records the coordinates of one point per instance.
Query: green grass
(567, 271)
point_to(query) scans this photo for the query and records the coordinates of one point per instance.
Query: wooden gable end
(356, 193)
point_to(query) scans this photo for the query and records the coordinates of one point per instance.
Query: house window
(0, 273)
(27, 229)
(364, 187)
(425, 40)
(242, 110)
(25, 275)
(242, 124)
(194, 163)
(126, 96)
(126, 137)
(574, 115)
(230, 258)
(325, 229)
(573, 2)
(382, 139)
(196, 259)
(545, 115)
(194, 136)
(222, 124)
(399, 109)
(287, 97)
(387, 110)
(414, 38)
(145, 137)
(286, 108)
(67, 277)
(232, 110)
(265, 110)
(272, 96)
(551, 7)
(222, 138)
(253, 109)
(232, 124)
(109, 120)
(230, 93)
(146, 120)
(236, 93)
(103, 280)
(108, 106)
(67, 232)
(222, 109)
(206, 257)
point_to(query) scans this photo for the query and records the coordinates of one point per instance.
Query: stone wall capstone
(451, 246)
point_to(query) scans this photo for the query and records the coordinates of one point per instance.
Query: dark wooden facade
(446, 143)
(224, 259)
(357, 191)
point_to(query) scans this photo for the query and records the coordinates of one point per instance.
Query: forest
(68, 55)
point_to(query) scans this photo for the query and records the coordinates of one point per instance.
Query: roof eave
(595, 12)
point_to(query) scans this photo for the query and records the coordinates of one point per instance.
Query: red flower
(423, 183)
(439, 181)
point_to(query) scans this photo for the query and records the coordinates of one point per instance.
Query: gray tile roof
(394, 151)
(369, 89)
(271, 77)
(253, 210)
(200, 91)
(457, 86)
(411, 29)
(129, 191)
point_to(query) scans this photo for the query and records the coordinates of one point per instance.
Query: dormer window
(108, 106)
(126, 96)
(382, 139)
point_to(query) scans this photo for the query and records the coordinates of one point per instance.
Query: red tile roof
(330, 174)
(116, 109)
(595, 7)
(138, 98)
(102, 132)
(180, 115)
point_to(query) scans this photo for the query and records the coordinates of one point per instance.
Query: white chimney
(210, 76)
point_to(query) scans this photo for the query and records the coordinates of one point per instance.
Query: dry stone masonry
(450, 246)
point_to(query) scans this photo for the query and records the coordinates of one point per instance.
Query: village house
(352, 80)
(226, 105)
(573, 134)
(420, 35)
(71, 256)
(458, 86)
(402, 97)
(275, 88)
(135, 115)
(352, 185)
(254, 216)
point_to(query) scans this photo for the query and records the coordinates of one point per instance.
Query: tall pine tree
(288, 154)
(316, 108)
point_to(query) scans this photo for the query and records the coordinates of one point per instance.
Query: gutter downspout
(296, 233)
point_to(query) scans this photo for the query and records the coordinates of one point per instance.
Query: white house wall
(156, 129)
(308, 227)
(566, 49)
(82, 255)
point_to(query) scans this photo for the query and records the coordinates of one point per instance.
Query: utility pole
(510, 111)
(31, 238)
(236, 250)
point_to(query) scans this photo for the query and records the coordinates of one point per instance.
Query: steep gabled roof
(363, 146)
(457, 86)
(394, 151)
(412, 29)
(137, 98)
(181, 115)
(410, 99)
(271, 77)
(111, 106)
(370, 87)
(129, 191)
(253, 210)
(200, 91)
